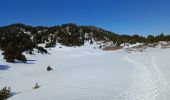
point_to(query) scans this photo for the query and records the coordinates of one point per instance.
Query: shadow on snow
(4, 67)
(28, 62)
(14, 93)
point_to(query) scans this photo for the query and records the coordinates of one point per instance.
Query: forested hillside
(18, 38)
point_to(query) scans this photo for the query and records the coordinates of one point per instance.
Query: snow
(148, 82)
(131, 45)
(85, 73)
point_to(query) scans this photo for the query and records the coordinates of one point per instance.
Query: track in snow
(148, 81)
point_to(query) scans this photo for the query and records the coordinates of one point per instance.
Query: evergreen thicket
(18, 38)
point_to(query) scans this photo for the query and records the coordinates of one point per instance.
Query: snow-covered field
(85, 73)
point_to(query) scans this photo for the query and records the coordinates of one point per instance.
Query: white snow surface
(85, 73)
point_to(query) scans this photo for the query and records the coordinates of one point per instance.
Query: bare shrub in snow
(36, 86)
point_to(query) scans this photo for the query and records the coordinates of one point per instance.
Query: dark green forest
(18, 38)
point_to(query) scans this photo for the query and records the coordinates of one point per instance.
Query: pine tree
(5, 93)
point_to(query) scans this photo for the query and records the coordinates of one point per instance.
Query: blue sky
(119, 16)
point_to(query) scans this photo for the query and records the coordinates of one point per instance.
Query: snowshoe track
(148, 81)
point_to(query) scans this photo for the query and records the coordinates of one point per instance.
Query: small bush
(36, 86)
(51, 44)
(5, 93)
(100, 47)
(21, 57)
(49, 68)
(42, 50)
(91, 42)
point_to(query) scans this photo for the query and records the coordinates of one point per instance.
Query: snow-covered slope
(85, 73)
(149, 82)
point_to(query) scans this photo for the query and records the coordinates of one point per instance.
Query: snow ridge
(148, 81)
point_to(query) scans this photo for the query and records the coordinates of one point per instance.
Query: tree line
(18, 38)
